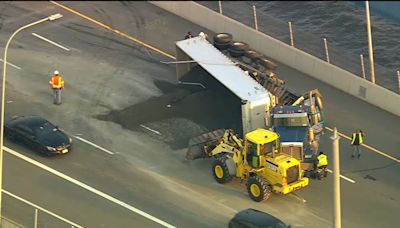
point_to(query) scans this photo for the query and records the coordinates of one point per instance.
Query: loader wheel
(258, 188)
(220, 170)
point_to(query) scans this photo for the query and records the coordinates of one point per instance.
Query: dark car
(252, 218)
(39, 134)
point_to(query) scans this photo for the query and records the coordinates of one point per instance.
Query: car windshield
(291, 122)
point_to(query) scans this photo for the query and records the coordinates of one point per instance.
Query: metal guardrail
(37, 210)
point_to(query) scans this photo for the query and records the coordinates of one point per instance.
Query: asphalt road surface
(120, 97)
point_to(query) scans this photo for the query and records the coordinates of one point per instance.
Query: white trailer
(255, 99)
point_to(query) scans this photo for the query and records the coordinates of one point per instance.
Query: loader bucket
(199, 146)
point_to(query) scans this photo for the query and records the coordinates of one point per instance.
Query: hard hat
(56, 72)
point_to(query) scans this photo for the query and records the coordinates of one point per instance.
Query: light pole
(49, 18)
(371, 51)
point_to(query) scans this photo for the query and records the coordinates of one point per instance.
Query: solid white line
(92, 144)
(15, 66)
(87, 187)
(158, 133)
(346, 178)
(52, 42)
(42, 209)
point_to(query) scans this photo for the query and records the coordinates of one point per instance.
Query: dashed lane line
(367, 146)
(346, 178)
(89, 188)
(113, 30)
(15, 66)
(94, 145)
(51, 42)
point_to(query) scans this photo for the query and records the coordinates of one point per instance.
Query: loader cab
(259, 144)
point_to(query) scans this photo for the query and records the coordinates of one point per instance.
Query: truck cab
(299, 131)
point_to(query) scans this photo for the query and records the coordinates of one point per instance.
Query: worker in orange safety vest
(57, 84)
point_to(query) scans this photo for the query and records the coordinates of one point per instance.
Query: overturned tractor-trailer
(254, 97)
(249, 75)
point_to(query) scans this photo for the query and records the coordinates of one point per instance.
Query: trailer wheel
(268, 63)
(222, 46)
(252, 54)
(258, 188)
(220, 170)
(223, 38)
(238, 45)
(235, 53)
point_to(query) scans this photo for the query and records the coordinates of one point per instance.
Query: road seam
(89, 188)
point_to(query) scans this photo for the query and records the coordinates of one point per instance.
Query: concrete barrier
(282, 52)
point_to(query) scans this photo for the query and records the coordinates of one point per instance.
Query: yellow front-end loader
(256, 160)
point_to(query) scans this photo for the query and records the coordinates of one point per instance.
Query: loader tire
(258, 188)
(223, 38)
(220, 170)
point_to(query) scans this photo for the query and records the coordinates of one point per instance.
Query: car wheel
(258, 188)
(220, 170)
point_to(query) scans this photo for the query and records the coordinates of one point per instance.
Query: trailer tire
(252, 54)
(222, 46)
(238, 45)
(235, 53)
(220, 169)
(222, 38)
(268, 63)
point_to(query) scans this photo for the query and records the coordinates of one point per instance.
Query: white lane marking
(157, 132)
(52, 42)
(87, 187)
(92, 144)
(346, 178)
(42, 209)
(15, 66)
(8, 102)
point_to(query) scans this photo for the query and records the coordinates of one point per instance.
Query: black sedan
(252, 218)
(39, 134)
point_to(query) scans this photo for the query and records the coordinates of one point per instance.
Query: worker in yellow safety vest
(322, 164)
(57, 85)
(356, 141)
